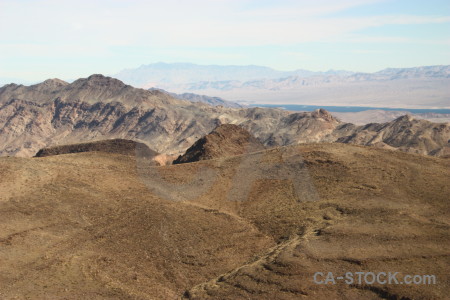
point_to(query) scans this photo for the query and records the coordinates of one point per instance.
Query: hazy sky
(42, 39)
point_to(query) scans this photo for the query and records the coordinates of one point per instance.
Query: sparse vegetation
(85, 225)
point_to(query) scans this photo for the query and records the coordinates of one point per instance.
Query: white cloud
(307, 8)
(188, 30)
(52, 50)
(185, 23)
(367, 51)
(363, 39)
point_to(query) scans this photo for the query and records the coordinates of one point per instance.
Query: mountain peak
(101, 81)
(54, 82)
(97, 76)
(225, 140)
(102, 78)
(323, 114)
(406, 118)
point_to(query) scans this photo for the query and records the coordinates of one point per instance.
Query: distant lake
(295, 107)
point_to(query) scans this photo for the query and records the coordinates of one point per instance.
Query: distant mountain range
(318, 79)
(178, 73)
(195, 77)
(419, 87)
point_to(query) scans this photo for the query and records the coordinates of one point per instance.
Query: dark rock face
(323, 114)
(119, 146)
(225, 140)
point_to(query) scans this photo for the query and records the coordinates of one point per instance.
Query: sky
(42, 39)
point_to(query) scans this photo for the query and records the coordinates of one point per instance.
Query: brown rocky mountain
(97, 225)
(383, 116)
(406, 134)
(95, 88)
(120, 146)
(225, 140)
(98, 107)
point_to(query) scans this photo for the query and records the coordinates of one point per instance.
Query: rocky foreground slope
(98, 225)
(95, 108)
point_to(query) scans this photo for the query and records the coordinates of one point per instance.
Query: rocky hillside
(383, 116)
(95, 108)
(256, 226)
(404, 133)
(120, 146)
(95, 88)
(214, 101)
(225, 140)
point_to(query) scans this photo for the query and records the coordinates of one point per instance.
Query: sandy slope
(105, 226)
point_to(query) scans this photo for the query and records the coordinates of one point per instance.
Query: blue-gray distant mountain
(177, 73)
(323, 78)
(418, 87)
(211, 100)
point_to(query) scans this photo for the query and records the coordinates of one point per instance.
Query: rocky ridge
(119, 146)
(225, 140)
(98, 107)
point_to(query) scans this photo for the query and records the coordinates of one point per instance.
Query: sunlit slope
(257, 226)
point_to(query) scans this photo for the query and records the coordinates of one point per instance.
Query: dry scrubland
(93, 226)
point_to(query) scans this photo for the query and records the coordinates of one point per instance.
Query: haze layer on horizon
(70, 39)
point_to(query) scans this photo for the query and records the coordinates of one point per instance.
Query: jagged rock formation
(307, 127)
(225, 140)
(95, 88)
(120, 146)
(383, 116)
(99, 107)
(406, 134)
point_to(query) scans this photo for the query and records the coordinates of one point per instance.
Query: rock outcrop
(406, 134)
(225, 140)
(119, 146)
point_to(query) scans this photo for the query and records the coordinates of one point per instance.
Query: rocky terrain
(225, 140)
(97, 225)
(120, 146)
(214, 101)
(384, 116)
(403, 132)
(95, 88)
(98, 107)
